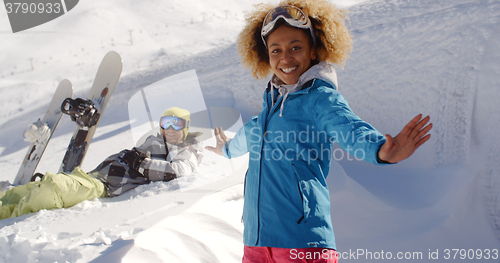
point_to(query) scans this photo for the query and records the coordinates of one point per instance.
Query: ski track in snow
(439, 58)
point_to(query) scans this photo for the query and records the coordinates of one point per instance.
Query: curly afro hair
(333, 41)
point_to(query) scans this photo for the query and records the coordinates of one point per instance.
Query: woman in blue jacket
(286, 211)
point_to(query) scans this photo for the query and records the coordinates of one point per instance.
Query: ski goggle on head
(292, 15)
(171, 121)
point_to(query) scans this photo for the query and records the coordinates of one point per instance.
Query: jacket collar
(322, 70)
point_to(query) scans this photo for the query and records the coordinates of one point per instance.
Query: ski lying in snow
(87, 112)
(40, 132)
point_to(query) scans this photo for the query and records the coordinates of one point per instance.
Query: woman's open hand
(221, 139)
(414, 134)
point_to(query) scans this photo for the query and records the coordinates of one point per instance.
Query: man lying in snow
(170, 154)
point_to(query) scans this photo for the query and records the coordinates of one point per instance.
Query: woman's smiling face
(172, 136)
(290, 53)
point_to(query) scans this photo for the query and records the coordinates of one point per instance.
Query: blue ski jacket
(287, 202)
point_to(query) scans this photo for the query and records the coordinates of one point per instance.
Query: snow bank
(438, 58)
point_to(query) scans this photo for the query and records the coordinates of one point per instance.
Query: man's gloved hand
(133, 158)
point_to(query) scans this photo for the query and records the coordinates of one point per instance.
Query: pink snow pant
(284, 255)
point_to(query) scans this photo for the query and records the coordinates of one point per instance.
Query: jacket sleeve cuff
(225, 150)
(380, 161)
(142, 167)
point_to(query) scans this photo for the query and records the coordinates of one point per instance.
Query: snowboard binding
(81, 111)
(38, 132)
(36, 176)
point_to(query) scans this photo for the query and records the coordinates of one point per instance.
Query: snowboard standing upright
(40, 133)
(87, 113)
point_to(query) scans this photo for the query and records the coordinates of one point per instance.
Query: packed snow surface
(436, 57)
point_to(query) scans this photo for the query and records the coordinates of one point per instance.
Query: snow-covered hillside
(439, 58)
